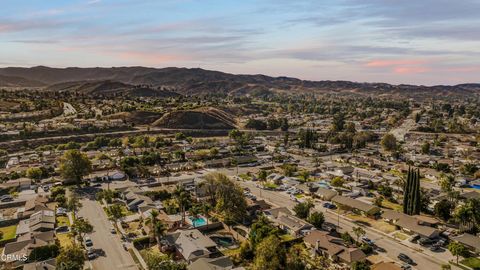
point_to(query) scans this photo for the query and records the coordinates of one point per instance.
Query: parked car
(88, 241)
(404, 258)
(329, 205)
(6, 198)
(435, 248)
(91, 254)
(425, 241)
(113, 231)
(367, 241)
(406, 266)
(414, 238)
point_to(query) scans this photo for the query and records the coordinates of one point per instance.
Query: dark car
(368, 241)
(435, 248)
(414, 238)
(425, 241)
(329, 205)
(404, 258)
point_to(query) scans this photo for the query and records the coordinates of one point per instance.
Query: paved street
(424, 259)
(112, 256)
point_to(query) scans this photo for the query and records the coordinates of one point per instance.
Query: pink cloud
(392, 63)
(410, 70)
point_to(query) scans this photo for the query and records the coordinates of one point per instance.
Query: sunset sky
(409, 41)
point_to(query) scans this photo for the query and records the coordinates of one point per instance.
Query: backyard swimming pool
(198, 221)
(475, 186)
(224, 241)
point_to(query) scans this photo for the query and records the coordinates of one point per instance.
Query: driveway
(109, 246)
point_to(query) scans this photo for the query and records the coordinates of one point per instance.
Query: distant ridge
(199, 81)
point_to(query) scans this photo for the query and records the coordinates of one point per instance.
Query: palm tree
(157, 228)
(205, 210)
(183, 199)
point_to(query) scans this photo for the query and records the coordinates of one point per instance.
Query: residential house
(285, 220)
(357, 205)
(220, 263)
(191, 245)
(322, 243)
(470, 241)
(325, 194)
(412, 224)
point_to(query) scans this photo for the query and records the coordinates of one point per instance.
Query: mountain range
(189, 81)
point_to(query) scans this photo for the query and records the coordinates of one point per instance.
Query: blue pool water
(225, 241)
(197, 222)
(475, 186)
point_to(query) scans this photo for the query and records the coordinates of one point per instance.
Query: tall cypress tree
(411, 196)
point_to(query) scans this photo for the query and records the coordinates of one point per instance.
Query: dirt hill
(110, 88)
(136, 117)
(204, 118)
(15, 81)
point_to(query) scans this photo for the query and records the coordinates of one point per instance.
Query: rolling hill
(199, 81)
(204, 118)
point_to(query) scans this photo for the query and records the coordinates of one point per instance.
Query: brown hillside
(204, 118)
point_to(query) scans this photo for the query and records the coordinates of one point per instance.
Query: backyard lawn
(9, 232)
(471, 262)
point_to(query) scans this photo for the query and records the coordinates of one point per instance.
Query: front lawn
(390, 205)
(401, 236)
(471, 262)
(62, 221)
(65, 240)
(9, 232)
(270, 185)
(377, 224)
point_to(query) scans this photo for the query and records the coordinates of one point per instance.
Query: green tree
(269, 254)
(359, 232)
(156, 261)
(457, 249)
(304, 175)
(347, 238)
(262, 175)
(71, 258)
(34, 173)
(302, 210)
(337, 181)
(157, 228)
(230, 200)
(73, 204)
(316, 219)
(389, 142)
(261, 229)
(115, 212)
(81, 227)
(443, 209)
(183, 199)
(359, 265)
(426, 148)
(411, 194)
(74, 165)
(378, 201)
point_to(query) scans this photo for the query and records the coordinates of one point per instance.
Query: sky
(426, 42)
